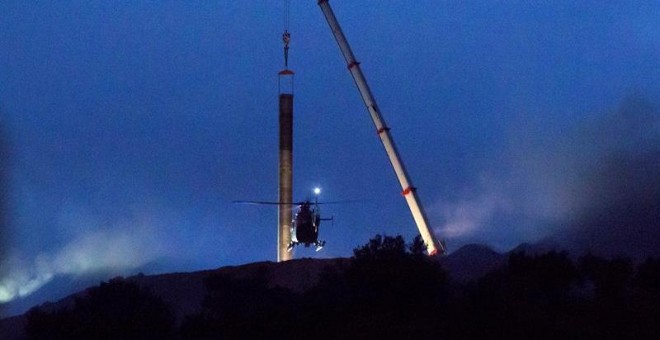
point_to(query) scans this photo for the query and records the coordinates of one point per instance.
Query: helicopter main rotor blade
(342, 202)
(296, 203)
(266, 203)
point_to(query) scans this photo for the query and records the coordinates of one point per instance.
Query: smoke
(618, 211)
(468, 215)
(593, 186)
(118, 249)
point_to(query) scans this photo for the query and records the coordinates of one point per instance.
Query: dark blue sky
(132, 126)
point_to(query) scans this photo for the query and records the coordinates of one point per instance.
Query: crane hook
(286, 38)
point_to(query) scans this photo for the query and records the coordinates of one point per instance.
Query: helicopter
(305, 223)
(305, 226)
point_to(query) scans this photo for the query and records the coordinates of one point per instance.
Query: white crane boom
(432, 245)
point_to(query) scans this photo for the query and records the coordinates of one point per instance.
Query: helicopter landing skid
(319, 245)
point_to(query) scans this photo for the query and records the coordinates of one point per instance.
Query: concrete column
(286, 177)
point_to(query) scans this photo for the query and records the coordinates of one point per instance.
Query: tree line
(388, 289)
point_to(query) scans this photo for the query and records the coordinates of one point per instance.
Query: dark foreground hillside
(386, 290)
(184, 293)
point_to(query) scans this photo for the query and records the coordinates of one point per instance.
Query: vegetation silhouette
(242, 309)
(381, 292)
(117, 309)
(389, 289)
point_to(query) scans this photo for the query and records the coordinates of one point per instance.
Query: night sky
(128, 129)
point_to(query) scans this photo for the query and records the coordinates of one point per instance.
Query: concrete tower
(286, 166)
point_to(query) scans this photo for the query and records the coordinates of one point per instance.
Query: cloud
(116, 249)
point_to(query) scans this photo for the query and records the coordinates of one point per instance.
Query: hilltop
(387, 289)
(184, 292)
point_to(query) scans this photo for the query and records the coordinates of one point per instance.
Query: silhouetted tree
(648, 276)
(417, 247)
(609, 277)
(118, 309)
(387, 291)
(645, 308)
(385, 248)
(530, 297)
(611, 312)
(242, 309)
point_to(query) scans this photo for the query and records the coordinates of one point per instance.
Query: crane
(433, 246)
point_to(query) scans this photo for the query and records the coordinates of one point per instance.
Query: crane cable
(286, 14)
(286, 36)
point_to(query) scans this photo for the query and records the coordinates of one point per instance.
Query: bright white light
(317, 190)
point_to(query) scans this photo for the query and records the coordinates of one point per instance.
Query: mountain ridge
(184, 292)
